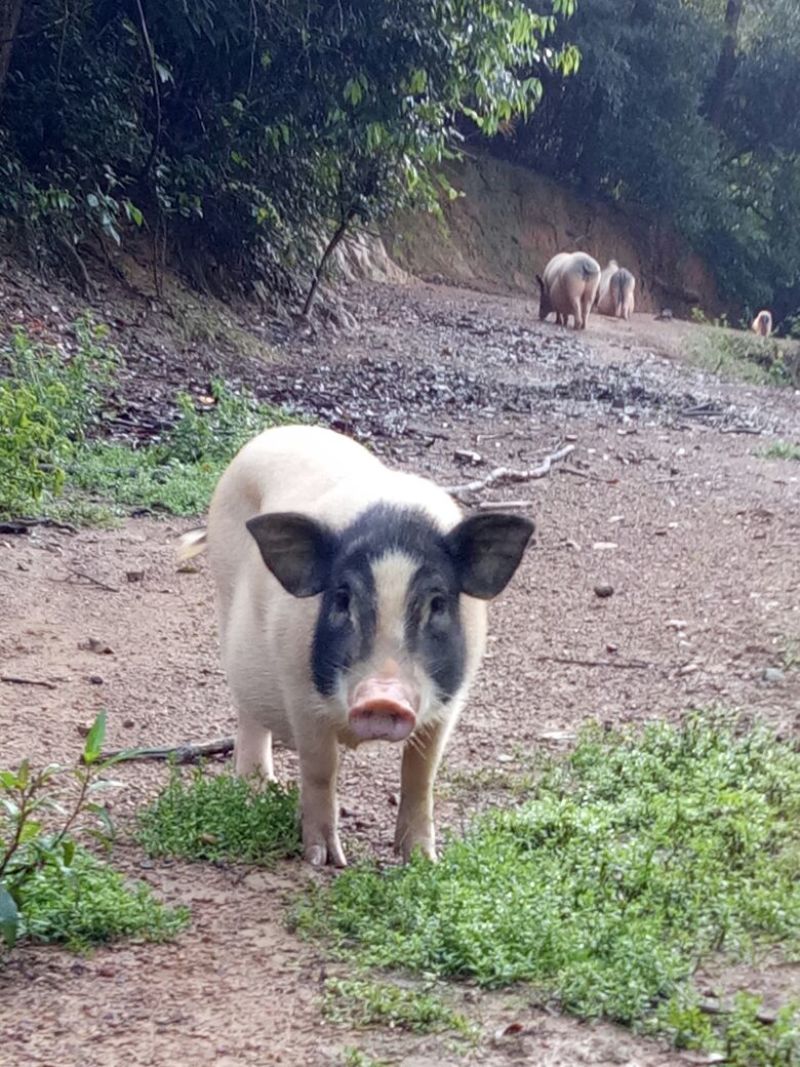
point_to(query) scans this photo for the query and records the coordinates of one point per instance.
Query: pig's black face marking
(477, 557)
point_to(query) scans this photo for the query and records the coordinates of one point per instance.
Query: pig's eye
(438, 604)
(341, 601)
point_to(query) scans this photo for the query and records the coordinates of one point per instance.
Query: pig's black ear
(487, 549)
(298, 550)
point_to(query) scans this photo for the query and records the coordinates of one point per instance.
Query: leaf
(94, 739)
(92, 200)
(9, 917)
(68, 852)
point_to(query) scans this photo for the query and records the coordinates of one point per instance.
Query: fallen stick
(11, 680)
(632, 665)
(185, 753)
(20, 526)
(505, 505)
(504, 475)
(87, 578)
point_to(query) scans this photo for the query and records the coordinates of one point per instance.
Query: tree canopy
(688, 109)
(240, 133)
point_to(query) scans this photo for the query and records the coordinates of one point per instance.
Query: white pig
(762, 324)
(615, 294)
(352, 607)
(569, 287)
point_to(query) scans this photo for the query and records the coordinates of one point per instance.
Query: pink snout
(382, 710)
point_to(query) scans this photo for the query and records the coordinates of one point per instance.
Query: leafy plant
(51, 887)
(636, 858)
(364, 1003)
(782, 450)
(221, 817)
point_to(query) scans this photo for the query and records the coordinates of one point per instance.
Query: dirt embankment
(509, 222)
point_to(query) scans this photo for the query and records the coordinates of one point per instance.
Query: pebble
(604, 590)
(772, 676)
(95, 679)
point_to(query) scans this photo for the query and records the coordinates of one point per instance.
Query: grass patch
(199, 816)
(361, 1003)
(757, 360)
(92, 903)
(54, 460)
(53, 889)
(636, 858)
(782, 450)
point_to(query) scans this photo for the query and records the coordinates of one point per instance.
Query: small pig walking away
(615, 295)
(569, 287)
(352, 607)
(762, 324)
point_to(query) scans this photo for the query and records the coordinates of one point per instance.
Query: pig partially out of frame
(762, 324)
(568, 287)
(351, 603)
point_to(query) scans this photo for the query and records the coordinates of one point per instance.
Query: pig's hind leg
(253, 749)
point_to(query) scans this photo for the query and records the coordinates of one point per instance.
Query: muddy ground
(666, 497)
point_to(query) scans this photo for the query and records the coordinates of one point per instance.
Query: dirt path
(665, 498)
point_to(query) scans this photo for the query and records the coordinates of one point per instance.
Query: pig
(569, 287)
(762, 324)
(352, 607)
(615, 294)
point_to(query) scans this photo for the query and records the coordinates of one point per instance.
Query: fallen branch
(710, 1007)
(186, 753)
(20, 526)
(12, 680)
(88, 578)
(505, 505)
(630, 665)
(505, 475)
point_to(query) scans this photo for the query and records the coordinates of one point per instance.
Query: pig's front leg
(421, 756)
(319, 766)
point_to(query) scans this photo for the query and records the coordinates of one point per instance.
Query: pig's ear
(487, 549)
(296, 549)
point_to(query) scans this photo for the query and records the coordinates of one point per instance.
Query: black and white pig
(352, 607)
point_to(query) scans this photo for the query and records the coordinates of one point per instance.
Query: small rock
(604, 590)
(612, 648)
(83, 728)
(677, 624)
(91, 644)
(134, 576)
(772, 676)
(95, 679)
(394, 800)
(128, 724)
(604, 546)
(187, 567)
(106, 971)
(505, 758)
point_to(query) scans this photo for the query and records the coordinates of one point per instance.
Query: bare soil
(666, 498)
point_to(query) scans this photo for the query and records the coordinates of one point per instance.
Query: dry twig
(625, 665)
(188, 752)
(12, 680)
(506, 475)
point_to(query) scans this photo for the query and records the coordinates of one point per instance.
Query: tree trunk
(726, 65)
(10, 11)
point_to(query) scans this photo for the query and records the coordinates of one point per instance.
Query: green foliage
(782, 450)
(364, 1003)
(742, 357)
(50, 408)
(636, 858)
(221, 817)
(52, 889)
(48, 404)
(245, 132)
(637, 125)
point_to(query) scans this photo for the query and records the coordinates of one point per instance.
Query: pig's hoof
(319, 853)
(407, 843)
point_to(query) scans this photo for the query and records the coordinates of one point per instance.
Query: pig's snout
(382, 709)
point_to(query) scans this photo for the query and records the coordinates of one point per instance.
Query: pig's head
(545, 307)
(390, 645)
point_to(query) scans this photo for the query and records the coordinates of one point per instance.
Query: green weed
(221, 818)
(50, 410)
(355, 1057)
(362, 1003)
(636, 857)
(53, 889)
(782, 450)
(757, 360)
